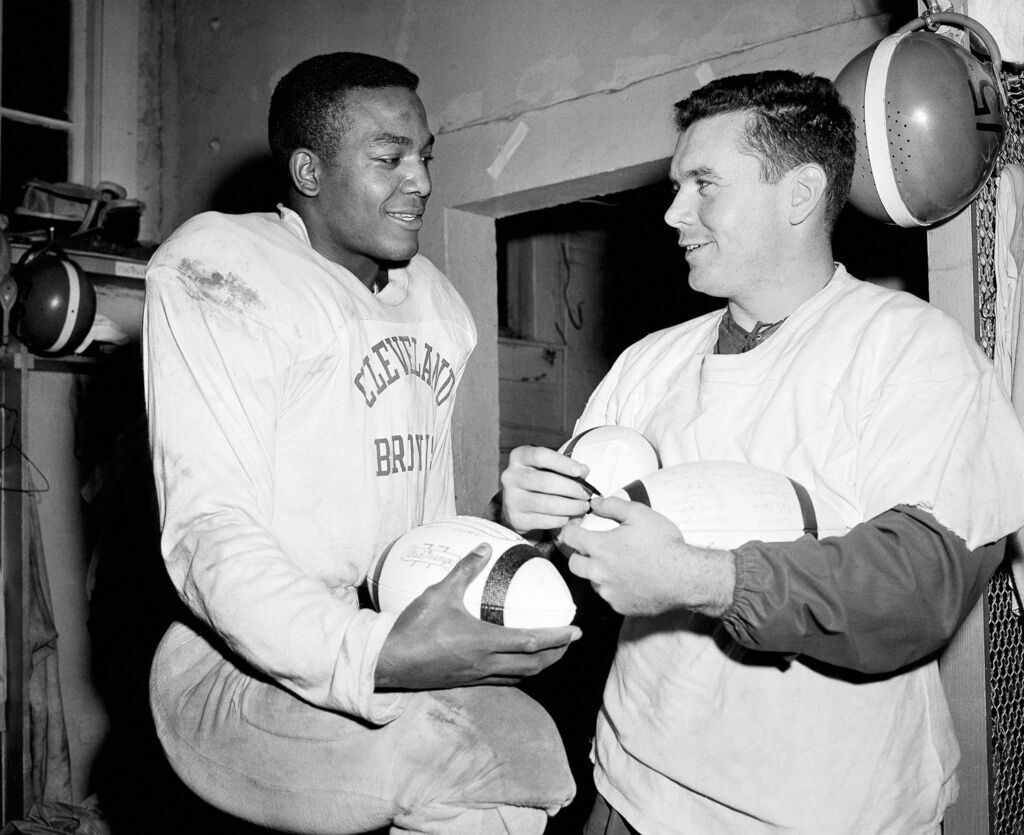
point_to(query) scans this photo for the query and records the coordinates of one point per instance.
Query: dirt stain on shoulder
(225, 289)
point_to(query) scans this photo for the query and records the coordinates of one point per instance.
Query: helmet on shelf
(56, 303)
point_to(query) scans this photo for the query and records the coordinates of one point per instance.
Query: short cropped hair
(794, 119)
(307, 109)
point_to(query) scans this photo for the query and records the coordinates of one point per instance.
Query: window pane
(28, 151)
(36, 52)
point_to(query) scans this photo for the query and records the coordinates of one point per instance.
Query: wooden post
(14, 568)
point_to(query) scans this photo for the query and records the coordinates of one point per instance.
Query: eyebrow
(701, 171)
(394, 139)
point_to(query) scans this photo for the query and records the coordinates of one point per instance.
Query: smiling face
(732, 224)
(369, 197)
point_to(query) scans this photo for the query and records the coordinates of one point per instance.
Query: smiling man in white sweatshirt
(301, 369)
(786, 687)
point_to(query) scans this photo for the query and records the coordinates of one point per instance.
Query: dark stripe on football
(374, 583)
(572, 444)
(637, 492)
(806, 508)
(492, 598)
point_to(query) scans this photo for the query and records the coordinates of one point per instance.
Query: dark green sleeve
(889, 593)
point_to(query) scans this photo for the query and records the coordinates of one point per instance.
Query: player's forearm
(707, 584)
(889, 593)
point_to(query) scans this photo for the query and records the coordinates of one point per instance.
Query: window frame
(103, 89)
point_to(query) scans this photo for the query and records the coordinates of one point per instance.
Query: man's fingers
(502, 681)
(611, 507)
(468, 567)
(552, 637)
(558, 509)
(542, 458)
(581, 566)
(537, 640)
(575, 537)
(542, 512)
(556, 484)
(525, 664)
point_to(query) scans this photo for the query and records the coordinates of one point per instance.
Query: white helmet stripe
(876, 131)
(71, 314)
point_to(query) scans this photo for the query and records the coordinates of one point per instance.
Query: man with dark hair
(307, 108)
(786, 686)
(795, 119)
(300, 372)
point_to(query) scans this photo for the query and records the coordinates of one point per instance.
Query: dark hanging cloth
(50, 757)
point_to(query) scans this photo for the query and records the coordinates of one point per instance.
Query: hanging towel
(49, 751)
(1009, 341)
(1004, 19)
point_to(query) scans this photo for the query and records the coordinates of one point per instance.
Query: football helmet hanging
(930, 120)
(56, 302)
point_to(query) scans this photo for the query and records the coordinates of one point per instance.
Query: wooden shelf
(120, 288)
(12, 357)
(99, 265)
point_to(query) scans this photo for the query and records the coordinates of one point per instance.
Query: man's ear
(808, 186)
(304, 170)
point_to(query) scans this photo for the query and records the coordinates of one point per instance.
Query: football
(519, 587)
(616, 455)
(723, 504)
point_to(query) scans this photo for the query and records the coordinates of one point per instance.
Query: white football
(519, 587)
(723, 504)
(616, 455)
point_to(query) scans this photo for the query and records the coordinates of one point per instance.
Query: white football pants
(468, 761)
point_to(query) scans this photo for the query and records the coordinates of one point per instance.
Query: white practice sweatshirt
(872, 399)
(298, 424)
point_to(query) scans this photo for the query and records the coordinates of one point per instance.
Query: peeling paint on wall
(657, 23)
(636, 67)
(508, 149)
(550, 80)
(405, 32)
(704, 74)
(746, 25)
(646, 31)
(462, 109)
